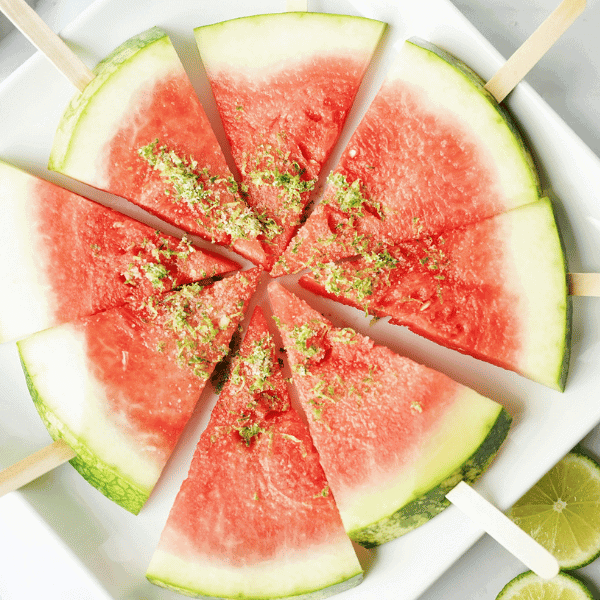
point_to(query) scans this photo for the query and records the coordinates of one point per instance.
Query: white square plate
(114, 547)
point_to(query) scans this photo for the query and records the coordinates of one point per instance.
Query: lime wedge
(562, 511)
(528, 586)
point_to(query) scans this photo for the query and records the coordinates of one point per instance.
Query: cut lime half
(562, 511)
(529, 586)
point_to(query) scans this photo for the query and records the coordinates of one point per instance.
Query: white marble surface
(568, 78)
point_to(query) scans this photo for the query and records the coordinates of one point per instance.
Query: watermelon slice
(65, 256)
(284, 84)
(393, 436)
(495, 290)
(119, 386)
(274, 532)
(139, 131)
(434, 151)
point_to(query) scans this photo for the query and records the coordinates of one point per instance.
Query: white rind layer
(77, 149)
(57, 363)
(535, 251)
(25, 305)
(278, 38)
(294, 574)
(458, 434)
(449, 90)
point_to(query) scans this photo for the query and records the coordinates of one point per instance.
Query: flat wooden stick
(504, 531)
(584, 284)
(35, 465)
(44, 39)
(540, 41)
(296, 6)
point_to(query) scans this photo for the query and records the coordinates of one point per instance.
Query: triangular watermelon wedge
(120, 386)
(495, 290)
(434, 151)
(139, 131)
(255, 517)
(393, 436)
(284, 84)
(65, 256)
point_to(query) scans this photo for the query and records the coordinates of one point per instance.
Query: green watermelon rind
(103, 71)
(320, 594)
(431, 503)
(113, 484)
(478, 83)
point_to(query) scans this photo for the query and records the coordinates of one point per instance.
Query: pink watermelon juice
(393, 436)
(255, 517)
(67, 256)
(283, 96)
(433, 152)
(119, 386)
(139, 131)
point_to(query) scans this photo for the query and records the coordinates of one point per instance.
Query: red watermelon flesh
(68, 256)
(227, 532)
(434, 151)
(120, 386)
(393, 435)
(283, 97)
(139, 131)
(495, 290)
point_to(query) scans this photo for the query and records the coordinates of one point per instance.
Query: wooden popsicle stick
(44, 39)
(584, 284)
(530, 52)
(296, 6)
(504, 531)
(35, 465)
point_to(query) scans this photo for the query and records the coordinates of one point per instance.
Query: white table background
(568, 78)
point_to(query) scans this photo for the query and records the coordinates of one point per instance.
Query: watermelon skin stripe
(434, 501)
(104, 477)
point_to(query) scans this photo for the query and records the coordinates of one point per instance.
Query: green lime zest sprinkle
(272, 167)
(301, 334)
(201, 191)
(248, 432)
(195, 331)
(259, 364)
(350, 197)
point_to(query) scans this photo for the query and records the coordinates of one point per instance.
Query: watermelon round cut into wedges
(120, 386)
(495, 290)
(434, 151)
(393, 436)
(139, 131)
(284, 84)
(65, 256)
(255, 517)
